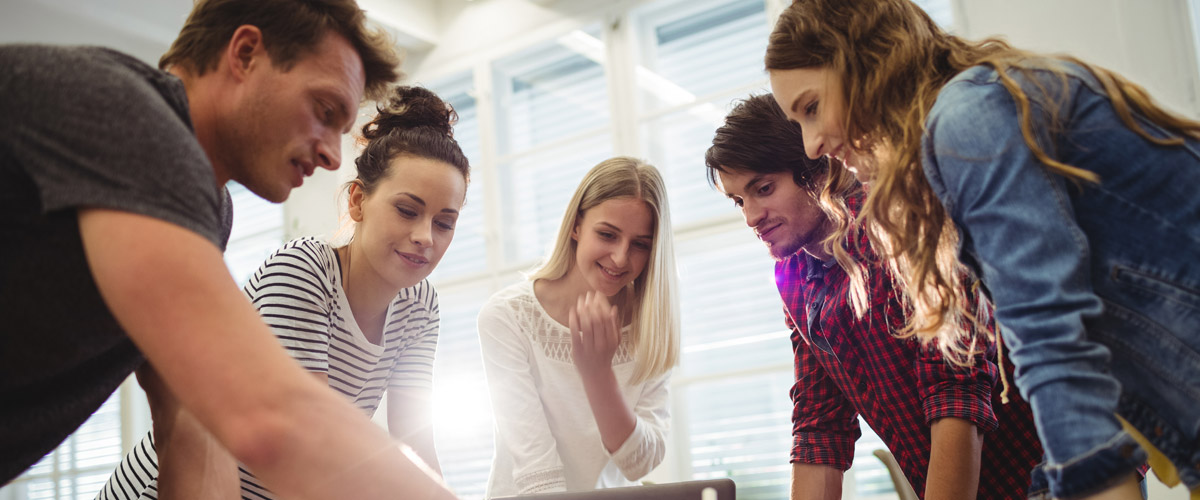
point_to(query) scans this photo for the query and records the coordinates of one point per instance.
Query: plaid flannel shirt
(848, 366)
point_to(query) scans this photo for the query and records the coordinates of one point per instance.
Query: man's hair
(758, 137)
(290, 28)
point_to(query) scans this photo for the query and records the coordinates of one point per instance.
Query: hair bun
(410, 107)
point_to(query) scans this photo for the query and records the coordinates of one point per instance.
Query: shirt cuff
(543, 481)
(973, 404)
(636, 456)
(823, 449)
(1095, 471)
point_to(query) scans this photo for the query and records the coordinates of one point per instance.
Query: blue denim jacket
(1096, 286)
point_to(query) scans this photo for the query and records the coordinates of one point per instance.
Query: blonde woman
(1067, 190)
(578, 356)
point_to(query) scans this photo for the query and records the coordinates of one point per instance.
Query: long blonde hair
(654, 333)
(893, 60)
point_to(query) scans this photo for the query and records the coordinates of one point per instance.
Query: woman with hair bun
(362, 317)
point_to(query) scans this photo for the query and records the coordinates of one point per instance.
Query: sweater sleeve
(521, 425)
(646, 446)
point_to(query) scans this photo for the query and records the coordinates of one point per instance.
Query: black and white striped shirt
(299, 294)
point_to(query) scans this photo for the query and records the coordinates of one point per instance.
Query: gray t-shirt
(80, 127)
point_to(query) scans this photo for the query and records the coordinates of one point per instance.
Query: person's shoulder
(84, 70)
(509, 300)
(422, 294)
(960, 97)
(309, 251)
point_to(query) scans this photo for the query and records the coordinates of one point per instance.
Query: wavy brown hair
(892, 61)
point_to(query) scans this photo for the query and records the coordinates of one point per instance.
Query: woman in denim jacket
(1071, 195)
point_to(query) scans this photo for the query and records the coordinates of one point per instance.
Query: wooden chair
(903, 489)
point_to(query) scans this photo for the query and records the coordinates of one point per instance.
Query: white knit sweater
(546, 436)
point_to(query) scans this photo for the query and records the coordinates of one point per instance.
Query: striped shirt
(298, 292)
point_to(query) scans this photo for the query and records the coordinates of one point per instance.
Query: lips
(762, 235)
(303, 169)
(615, 276)
(413, 259)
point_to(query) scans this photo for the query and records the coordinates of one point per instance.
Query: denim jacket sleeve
(1018, 227)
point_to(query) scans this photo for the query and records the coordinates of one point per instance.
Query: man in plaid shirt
(946, 426)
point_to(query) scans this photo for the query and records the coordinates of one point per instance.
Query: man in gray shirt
(113, 217)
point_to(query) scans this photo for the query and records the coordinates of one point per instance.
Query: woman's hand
(595, 334)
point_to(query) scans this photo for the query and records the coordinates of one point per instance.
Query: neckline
(355, 331)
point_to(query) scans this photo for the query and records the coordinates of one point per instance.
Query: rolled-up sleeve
(824, 422)
(646, 446)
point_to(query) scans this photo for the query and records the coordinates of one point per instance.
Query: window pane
(257, 232)
(740, 428)
(462, 412)
(692, 49)
(98, 441)
(468, 252)
(677, 142)
(732, 314)
(551, 91)
(535, 190)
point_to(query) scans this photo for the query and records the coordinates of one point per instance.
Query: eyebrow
(757, 179)
(753, 180)
(422, 202)
(617, 229)
(796, 101)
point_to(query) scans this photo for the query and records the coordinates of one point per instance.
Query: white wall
(1147, 41)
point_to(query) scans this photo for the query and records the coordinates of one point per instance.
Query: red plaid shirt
(846, 367)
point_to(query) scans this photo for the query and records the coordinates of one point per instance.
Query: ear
(357, 196)
(575, 231)
(245, 51)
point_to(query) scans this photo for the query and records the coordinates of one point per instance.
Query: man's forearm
(172, 294)
(191, 463)
(816, 482)
(953, 460)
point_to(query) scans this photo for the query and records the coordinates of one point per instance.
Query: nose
(814, 143)
(620, 255)
(752, 212)
(422, 234)
(329, 151)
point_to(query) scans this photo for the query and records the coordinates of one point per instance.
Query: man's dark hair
(758, 137)
(290, 28)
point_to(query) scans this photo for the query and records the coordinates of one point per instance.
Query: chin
(608, 289)
(782, 252)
